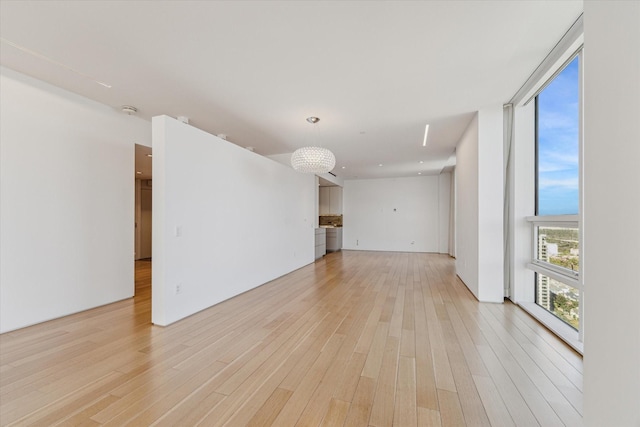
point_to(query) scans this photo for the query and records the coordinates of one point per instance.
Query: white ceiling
(374, 72)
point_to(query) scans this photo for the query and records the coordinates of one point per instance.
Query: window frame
(563, 275)
(570, 277)
(520, 173)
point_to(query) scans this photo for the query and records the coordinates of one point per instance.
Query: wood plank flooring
(355, 339)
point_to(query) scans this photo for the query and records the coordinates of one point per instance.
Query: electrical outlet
(178, 288)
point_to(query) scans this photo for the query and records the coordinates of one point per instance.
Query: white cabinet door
(330, 201)
(335, 200)
(332, 243)
(325, 201)
(321, 242)
(334, 239)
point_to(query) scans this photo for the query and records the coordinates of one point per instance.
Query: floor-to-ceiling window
(544, 191)
(556, 225)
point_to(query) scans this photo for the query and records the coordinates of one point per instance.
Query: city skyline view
(559, 246)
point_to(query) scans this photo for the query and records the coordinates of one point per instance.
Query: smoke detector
(129, 110)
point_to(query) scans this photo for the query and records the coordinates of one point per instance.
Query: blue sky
(558, 144)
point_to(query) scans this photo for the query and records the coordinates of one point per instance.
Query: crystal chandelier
(313, 159)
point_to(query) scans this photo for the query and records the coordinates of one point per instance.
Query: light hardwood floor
(356, 339)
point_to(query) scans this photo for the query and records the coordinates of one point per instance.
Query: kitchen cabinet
(335, 200)
(321, 242)
(330, 201)
(325, 201)
(334, 239)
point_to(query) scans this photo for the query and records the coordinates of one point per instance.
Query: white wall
(225, 220)
(491, 204)
(66, 201)
(371, 223)
(452, 214)
(479, 224)
(612, 213)
(444, 209)
(467, 207)
(522, 203)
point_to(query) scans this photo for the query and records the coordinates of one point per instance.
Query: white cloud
(562, 119)
(563, 183)
(553, 161)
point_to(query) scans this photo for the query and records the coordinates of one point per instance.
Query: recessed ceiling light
(426, 132)
(421, 162)
(344, 167)
(419, 173)
(380, 164)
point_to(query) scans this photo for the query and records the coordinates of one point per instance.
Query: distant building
(542, 289)
(552, 249)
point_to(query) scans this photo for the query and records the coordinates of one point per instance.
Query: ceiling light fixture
(129, 110)
(426, 132)
(313, 159)
(53, 61)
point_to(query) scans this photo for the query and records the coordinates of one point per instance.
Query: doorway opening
(143, 219)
